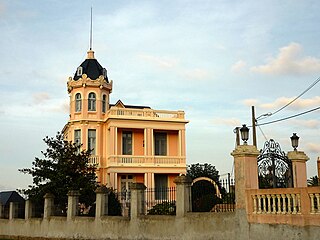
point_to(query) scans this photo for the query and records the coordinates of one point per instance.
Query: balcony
(146, 113)
(167, 161)
(94, 160)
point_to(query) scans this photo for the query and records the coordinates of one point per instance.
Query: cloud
(313, 123)
(162, 62)
(299, 104)
(239, 66)
(40, 97)
(226, 121)
(313, 148)
(196, 74)
(289, 61)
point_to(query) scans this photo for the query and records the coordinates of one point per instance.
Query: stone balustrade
(147, 160)
(145, 113)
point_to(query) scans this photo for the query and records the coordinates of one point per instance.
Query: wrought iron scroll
(274, 167)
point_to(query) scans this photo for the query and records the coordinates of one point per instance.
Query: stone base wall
(202, 226)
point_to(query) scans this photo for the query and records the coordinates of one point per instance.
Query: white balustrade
(153, 160)
(287, 203)
(94, 160)
(314, 203)
(145, 113)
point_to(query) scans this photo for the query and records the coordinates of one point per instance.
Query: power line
(286, 118)
(266, 115)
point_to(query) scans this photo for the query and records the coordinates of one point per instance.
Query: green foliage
(313, 181)
(203, 170)
(114, 205)
(62, 169)
(203, 192)
(164, 208)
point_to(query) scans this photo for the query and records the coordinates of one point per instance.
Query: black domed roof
(91, 67)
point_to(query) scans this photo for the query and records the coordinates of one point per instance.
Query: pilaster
(299, 168)
(246, 172)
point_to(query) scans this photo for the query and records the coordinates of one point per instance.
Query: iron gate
(274, 167)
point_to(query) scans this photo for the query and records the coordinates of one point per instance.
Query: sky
(213, 59)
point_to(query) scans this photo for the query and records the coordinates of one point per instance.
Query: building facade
(128, 143)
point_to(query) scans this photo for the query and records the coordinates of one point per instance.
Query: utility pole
(254, 133)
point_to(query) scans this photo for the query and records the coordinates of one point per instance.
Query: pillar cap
(74, 193)
(183, 179)
(298, 156)
(48, 195)
(102, 189)
(245, 150)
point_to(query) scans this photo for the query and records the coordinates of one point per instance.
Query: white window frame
(92, 101)
(78, 103)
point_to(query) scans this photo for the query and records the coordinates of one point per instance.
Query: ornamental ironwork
(274, 167)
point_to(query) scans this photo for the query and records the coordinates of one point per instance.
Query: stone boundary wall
(192, 226)
(204, 226)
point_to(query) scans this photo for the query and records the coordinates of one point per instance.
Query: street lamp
(294, 141)
(244, 134)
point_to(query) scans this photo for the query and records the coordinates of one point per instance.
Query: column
(246, 172)
(183, 195)
(28, 210)
(101, 202)
(13, 208)
(183, 142)
(48, 205)
(179, 144)
(115, 141)
(137, 200)
(73, 200)
(299, 168)
(112, 140)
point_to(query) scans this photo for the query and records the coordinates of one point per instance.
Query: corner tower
(89, 90)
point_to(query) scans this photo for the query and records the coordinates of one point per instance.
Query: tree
(63, 168)
(204, 195)
(313, 181)
(203, 170)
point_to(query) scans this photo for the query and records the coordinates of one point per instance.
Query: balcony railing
(94, 160)
(146, 160)
(146, 113)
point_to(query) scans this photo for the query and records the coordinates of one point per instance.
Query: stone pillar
(73, 201)
(299, 168)
(28, 210)
(101, 202)
(13, 210)
(137, 200)
(183, 195)
(48, 205)
(246, 172)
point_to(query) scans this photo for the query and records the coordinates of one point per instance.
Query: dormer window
(104, 72)
(78, 102)
(79, 71)
(92, 102)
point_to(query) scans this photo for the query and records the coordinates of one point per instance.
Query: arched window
(92, 102)
(104, 103)
(78, 102)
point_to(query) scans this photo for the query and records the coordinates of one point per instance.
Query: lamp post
(294, 141)
(244, 134)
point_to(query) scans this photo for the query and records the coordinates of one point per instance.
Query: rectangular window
(127, 143)
(92, 141)
(160, 144)
(161, 186)
(77, 138)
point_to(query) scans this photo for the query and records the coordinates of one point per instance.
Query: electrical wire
(286, 118)
(266, 115)
(262, 133)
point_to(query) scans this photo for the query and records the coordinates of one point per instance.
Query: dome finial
(90, 53)
(91, 30)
